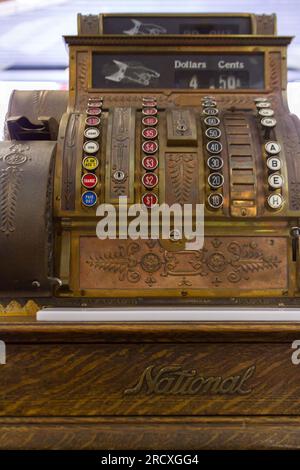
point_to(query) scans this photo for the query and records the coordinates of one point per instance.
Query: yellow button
(90, 163)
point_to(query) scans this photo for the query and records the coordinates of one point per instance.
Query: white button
(268, 122)
(210, 111)
(275, 201)
(260, 99)
(274, 163)
(92, 133)
(263, 104)
(266, 112)
(273, 148)
(91, 147)
(275, 181)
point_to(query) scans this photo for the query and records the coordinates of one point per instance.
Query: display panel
(184, 71)
(154, 25)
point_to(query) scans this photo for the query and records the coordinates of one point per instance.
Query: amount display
(185, 71)
(154, 25)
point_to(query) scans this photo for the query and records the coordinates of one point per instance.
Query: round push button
(150, 180)
(268, 122)
(150, 146)
(274, 163)
(90, 146)
(94, 111)
(150, 163)
(260, 99)
(92, 121)
(91, 133)
(215, 163)
(149, 111)
(263, 104)
(215, 180)
(212, 121)
(149, 133)
(149, 104)
(149, 200)
(89, 180)
(209, 103)
(213, 133)
(213, 146)
(89, 198)
(275, 201)
(266, 112)
(95, 104)
(150, 121)
(215, 200)
(210, 111)
(275, 180)
(148, 98)
(273, 148)
(90, 163)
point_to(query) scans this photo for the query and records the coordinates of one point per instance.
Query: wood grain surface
(63, 386)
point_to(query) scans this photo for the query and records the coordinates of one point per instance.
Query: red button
(149, 133)
(150, 163)
(150, 180)
(150, 121)
(150, 146)
(94, 111)
(149, 200)
(89, 180)
(92, 121)
(149, 104)
(149, 111)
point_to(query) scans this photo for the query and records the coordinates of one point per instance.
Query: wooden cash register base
(149, 386)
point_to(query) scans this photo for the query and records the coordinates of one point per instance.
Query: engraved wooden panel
(227, 262)
(82, 379)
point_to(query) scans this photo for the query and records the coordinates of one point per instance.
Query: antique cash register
(160, 109)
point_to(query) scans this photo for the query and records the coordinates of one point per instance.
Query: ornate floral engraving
(181, 168)
(10, 183)
(69, 163)
(221, 263)
(82, 79)
(89, 24)
(122, 262)
(265, 24)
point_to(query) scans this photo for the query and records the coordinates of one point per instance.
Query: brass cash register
(183, 119)
(174, 109)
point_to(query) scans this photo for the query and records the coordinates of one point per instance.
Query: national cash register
(174, 109)
(172, 118)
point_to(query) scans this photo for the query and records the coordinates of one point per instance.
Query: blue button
(89, 198)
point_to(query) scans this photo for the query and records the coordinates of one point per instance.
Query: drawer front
(196, 379)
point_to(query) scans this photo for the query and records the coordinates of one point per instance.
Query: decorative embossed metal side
(225, 262)
(69, 163)
(10, 182)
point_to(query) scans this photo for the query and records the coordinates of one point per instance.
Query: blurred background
(33, 55)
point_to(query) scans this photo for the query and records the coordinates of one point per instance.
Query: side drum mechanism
(27, 158)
